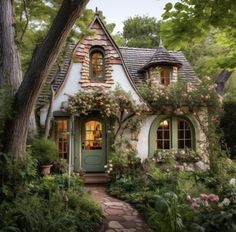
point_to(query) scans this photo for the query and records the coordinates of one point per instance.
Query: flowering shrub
(203, 200)
(109, 167)
(180, 94)
(124, 160)
(114, 104)
(108, 102)
(170, 156)
(212, 215)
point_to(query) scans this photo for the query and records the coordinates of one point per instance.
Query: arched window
(97, 65)
(174, 133)
(165, 76)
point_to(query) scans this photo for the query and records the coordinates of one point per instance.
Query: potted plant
(46, 152)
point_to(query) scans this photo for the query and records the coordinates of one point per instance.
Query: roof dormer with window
(162, 68)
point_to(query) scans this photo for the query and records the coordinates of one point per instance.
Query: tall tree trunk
(42, 60)
(10, 70)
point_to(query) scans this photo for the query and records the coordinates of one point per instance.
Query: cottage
(96, 64)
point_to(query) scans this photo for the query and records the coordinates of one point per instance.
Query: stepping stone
(115, 225)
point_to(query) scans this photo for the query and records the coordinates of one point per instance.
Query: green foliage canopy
(141, 31)
(33, 19)
(191, 22)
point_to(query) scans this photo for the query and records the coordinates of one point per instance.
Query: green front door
(93, 146)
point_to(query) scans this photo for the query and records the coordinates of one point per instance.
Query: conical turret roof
(161, 57)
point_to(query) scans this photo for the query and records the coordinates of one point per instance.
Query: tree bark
(42, 60)
(10, 70)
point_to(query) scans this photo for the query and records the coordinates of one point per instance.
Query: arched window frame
(173, 134)
(91, 75)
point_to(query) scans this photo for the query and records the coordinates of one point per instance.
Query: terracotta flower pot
(45, 170)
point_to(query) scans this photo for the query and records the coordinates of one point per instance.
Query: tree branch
(41, 63)
(27, 20)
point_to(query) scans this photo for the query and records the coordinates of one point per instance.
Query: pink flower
(213, 198)
(203, 197)
(195, 205)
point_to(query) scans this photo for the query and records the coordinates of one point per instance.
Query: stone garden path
(119, 215)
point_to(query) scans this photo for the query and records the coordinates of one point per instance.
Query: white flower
(225, 202)
(105, 166)
(232, 182)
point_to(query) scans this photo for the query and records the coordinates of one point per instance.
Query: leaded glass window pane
(163, 135)
(184, 134)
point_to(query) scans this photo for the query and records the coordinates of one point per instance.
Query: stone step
(95, 178)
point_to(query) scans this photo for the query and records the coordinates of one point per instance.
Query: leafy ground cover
(173, 199)
(31, 203)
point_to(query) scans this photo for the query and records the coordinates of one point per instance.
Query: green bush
(15, 175)
(44, 150)
(163, 214)
(46, 186)
(124, 161)
(51, 205)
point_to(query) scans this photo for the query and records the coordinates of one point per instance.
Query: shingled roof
(136, 58)
(58, 74)
(161, 57)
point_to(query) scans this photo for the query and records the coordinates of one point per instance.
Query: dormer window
(165, 76)
(97, 64)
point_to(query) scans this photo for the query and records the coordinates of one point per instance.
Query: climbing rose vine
(181, 94)
(108, 102)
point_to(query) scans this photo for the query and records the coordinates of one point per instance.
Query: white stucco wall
(70, 87)
(143, 143)
(119, 77)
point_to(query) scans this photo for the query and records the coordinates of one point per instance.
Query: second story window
(165, 76)
(97, 65)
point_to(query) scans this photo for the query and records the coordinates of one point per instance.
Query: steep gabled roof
(132, 59)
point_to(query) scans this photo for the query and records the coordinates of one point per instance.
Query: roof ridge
(134, 48)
